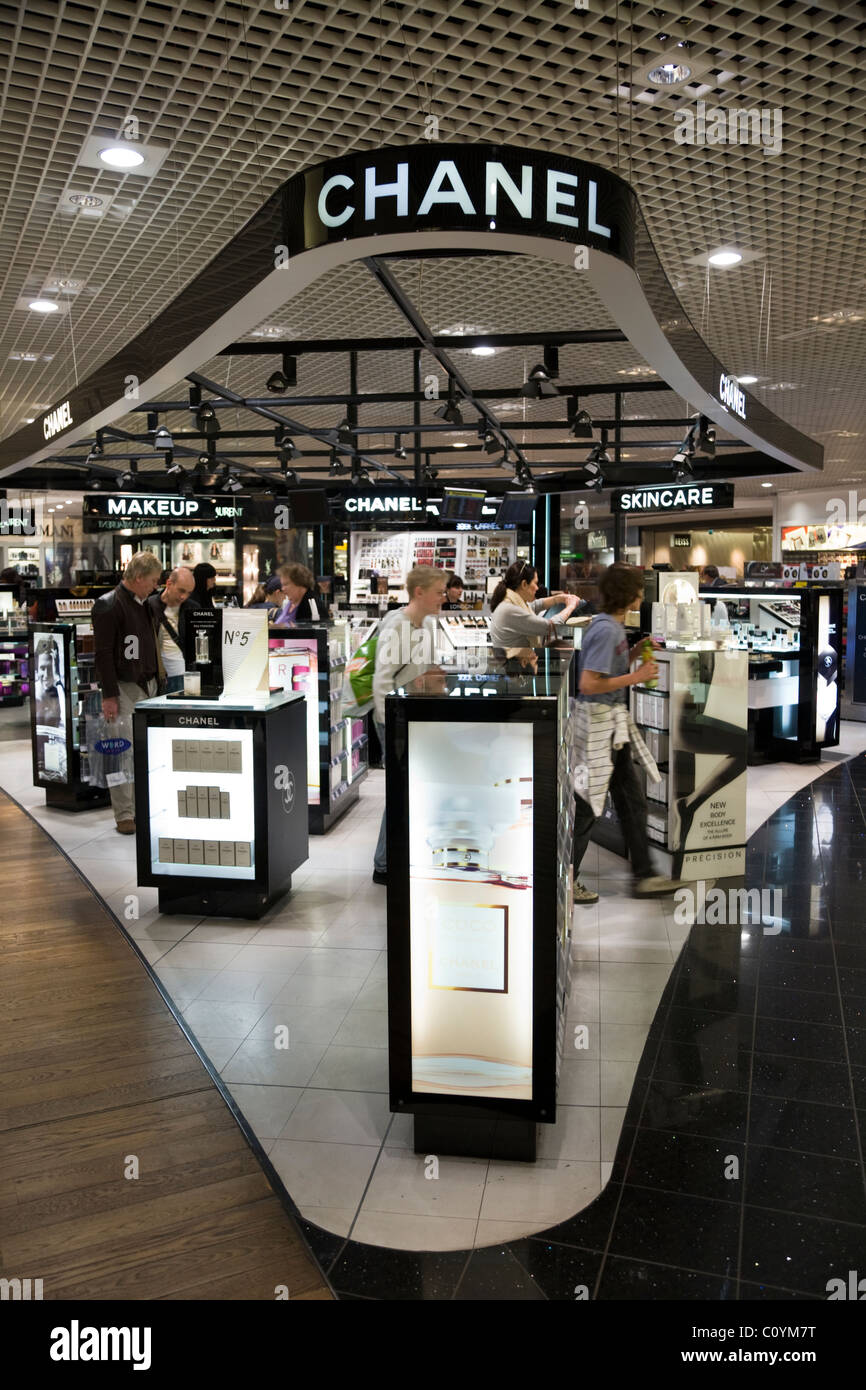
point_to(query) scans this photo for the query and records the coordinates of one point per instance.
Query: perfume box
(196, 852)
(227, 853)
(178, 755)
(166, 851)
(205, 756)
(213, 797)
(220, 756)
(202, 796)
(181, 802)
(234, 756)
(192, 755)
(211, 851)
(242, 854)
(225, 808)
(181, 851)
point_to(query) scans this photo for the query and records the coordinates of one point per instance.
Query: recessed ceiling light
(483, 351)
(29, 419)
(669, 74)
(766, 484)
(85, 200)
(459, 444)
(636, 371)
(43, 306)
(70, 500)
(782, 386)
(725, 256)
(121, 157)
(747, 380)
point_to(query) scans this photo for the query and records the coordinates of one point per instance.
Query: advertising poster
(827, 691)
(49, 696)
(708, 812)
(244, 652)
(294, 665)
(470, 885)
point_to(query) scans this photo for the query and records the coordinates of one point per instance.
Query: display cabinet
(480, 823)
(794, 638)
(219, 804)
(14, 655)
(312, 659)
(63, 693)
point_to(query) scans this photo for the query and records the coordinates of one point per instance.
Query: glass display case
(14, 655)
(794, 641)
(480, 822)
(311, 659)
(64, 693)
(219, 801)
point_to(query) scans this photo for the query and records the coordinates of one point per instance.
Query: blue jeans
(172, 684)
(380, 858)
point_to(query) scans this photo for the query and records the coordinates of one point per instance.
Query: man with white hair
(128, 662)
(169, 614)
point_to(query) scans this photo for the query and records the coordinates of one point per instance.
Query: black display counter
(480, 820)
(220, 808)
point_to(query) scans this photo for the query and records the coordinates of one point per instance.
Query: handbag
(109, 750)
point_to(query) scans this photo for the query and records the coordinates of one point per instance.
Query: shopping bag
(359, 671)
(109, 750)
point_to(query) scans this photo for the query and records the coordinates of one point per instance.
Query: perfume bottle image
(471, 951)
(202, 647)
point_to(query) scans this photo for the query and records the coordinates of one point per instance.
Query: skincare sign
(245, 652)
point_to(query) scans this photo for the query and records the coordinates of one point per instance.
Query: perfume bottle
(202, 647)
(471, 946)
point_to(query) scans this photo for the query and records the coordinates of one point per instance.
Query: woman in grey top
(516, 622)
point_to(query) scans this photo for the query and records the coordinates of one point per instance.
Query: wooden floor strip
(95, 1072)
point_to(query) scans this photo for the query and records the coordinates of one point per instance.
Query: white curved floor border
(320, 1108)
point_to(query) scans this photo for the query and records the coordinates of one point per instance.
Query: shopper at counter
(127, 658)
(205, 577)
(515, 622)
(606, 737)
(169, 609)
(453, 593)
(405, 655)
(298, 586)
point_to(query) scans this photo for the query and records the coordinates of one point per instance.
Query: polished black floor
(739, 1173)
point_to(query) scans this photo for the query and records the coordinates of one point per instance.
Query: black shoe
(379, 877)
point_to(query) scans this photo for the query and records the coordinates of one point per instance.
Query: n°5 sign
(245, 652)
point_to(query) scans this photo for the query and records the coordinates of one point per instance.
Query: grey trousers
(123, 795)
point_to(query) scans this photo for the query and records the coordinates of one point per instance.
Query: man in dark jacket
(128, 663)
(169, 609)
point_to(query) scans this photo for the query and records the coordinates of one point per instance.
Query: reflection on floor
(321, 1108)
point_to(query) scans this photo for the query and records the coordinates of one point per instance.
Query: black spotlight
(429, 475)
(399, 448)
(345, 435)
(284, 442)
(194, 396)
(287, 376)
(681, 462)
(360, 476)
(173, 469)
(523, 477)
(580, 421)
(489, 441)
(706, 437)
(232, 483)
(93, 484)
(538, 384)
(162, 438)
(129, 477)
(335, 463)
(206, 419)
(450, 411)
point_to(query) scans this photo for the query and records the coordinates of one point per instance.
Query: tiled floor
(316, 968)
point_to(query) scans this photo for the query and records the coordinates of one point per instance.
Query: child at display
(606, 737)
(405, 652)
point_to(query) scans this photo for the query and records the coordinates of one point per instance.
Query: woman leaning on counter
(516, 620)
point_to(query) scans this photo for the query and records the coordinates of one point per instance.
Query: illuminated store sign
(693, 497)
(162, 508)
(384, 503)
(438, 185)
(731, 395)
(56, 420)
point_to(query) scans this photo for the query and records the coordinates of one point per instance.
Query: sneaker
(583, 895)
(379, 877)
(125, 827)
(653, 887)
